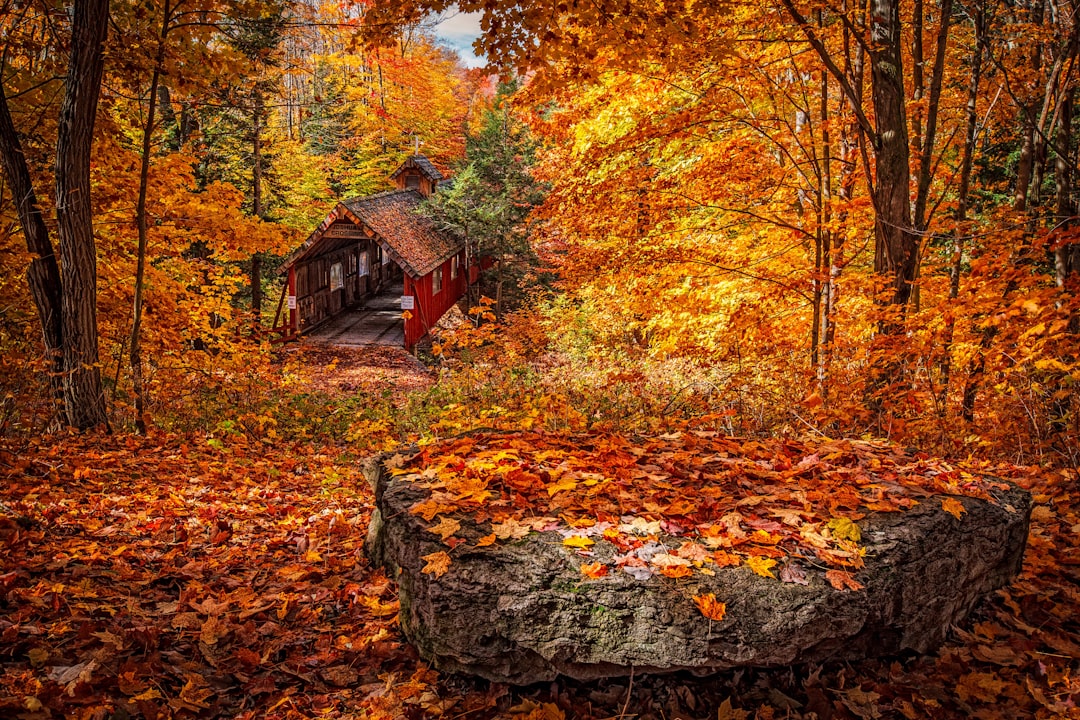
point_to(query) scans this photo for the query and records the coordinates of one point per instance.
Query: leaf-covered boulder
(523, 557)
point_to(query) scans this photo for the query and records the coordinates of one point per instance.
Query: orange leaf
(726, 559)
(953, 506)
(676, 571)
(486, 540)
(437, 563)
(709, 606)
(577, 541)
(594, 570)
(843, 581)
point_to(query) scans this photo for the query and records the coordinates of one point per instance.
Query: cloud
(458, 30)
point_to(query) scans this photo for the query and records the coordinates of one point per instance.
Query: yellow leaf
(577, 541)
(761, 565)
(565, 484)
(845, 529)
(953, 506)
(709, 606)
(437, 563)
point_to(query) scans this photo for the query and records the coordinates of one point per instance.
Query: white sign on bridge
(407, 302)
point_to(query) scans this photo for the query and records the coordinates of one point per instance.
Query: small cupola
(417, 173)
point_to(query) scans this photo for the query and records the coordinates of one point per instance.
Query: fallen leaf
(594, 570)
(953, 506)
(486, 540)
(578, 541)
(437, 563)
(979, 686)
(445, 528)
(842, 580)
(726, 559)
(710, 607)
(845, 529)
(761, 565)
(510, 529)
(862, 703)
(664, 560)
(727, 712)
(792, 573)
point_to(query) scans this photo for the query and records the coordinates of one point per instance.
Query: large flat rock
(521, 610)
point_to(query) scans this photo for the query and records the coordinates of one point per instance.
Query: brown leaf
(445, 528)
(437, 563)
(842, 580)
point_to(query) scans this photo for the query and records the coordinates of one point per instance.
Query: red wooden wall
(429, 307)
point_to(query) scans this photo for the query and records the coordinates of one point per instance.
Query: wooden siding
(315, 301)
(430, 306)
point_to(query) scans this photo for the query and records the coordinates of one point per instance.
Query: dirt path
(374, 368)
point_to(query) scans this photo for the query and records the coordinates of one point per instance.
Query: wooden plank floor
(378, 322)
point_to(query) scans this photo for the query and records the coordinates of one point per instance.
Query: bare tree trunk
(970, 137)
(926, 154)
(895, 250)
(823, 254)
(43, 274)
(257, 203)
(1063, 172)
(142, 223)
(84, 397)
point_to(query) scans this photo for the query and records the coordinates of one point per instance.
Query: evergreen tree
(492, 196)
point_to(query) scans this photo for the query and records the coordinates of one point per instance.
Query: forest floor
(172, 577)
(373, 369)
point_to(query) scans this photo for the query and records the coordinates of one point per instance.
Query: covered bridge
(365, 247)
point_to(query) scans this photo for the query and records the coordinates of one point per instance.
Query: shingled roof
(422, 164)
(412, 239)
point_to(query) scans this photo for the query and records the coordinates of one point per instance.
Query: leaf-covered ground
(780, 504)
(165, 578)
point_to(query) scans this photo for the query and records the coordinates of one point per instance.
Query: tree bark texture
(43, 274)
(143, 223)
(84, 398)
(257, 200)
(896, 247)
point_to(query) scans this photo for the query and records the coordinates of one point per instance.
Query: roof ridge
(384, 193)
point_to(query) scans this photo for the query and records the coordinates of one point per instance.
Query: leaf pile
(160, 578)
(730, 501)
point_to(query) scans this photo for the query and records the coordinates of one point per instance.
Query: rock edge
(522, 612)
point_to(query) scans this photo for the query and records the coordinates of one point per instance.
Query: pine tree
(492, 197)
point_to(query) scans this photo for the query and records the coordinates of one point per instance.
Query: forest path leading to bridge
(372, 368)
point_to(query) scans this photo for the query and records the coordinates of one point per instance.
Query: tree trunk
(895, 248)
(43, 274)
(1065, 251)
(142, 223)
(256, 203)
(970, 137)
(84, 397)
